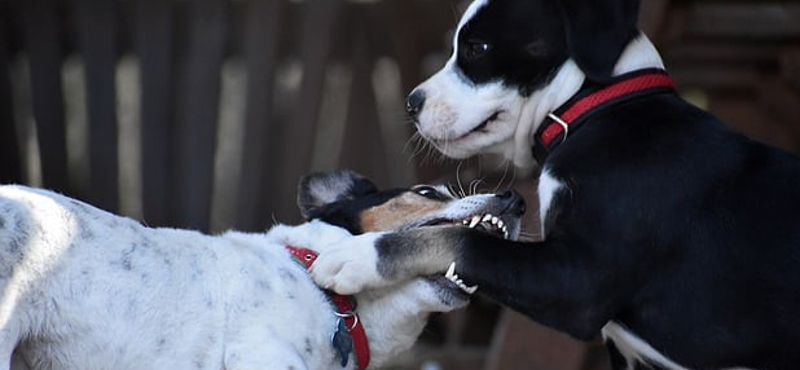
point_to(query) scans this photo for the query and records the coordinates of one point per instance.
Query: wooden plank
(41, 28)
(790, 67)
(746, 20)
(153, 42)
(318, 22)
(745, 114)
(782, 105)
(10, 155)
(520, 343)
(365, 152)
(96, 40)
(732, 78)
(694, 53)
(263, 25)
(197, 111)
(653, 15)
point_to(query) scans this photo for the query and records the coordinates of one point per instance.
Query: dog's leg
(553, 281)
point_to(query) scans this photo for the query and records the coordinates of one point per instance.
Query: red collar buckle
(591, 99)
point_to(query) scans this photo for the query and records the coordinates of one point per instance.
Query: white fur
(636, 350)
(351, 268)
(454, 106)
(85, 289)
(327, 191)
(548, 186)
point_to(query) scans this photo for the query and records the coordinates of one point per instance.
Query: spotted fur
(85, 289)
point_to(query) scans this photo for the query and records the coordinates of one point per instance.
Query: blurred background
(205, 113)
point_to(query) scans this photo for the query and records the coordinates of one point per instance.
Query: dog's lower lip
(480, 127)
(486, 122)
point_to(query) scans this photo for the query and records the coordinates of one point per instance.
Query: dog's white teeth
(487, 217)
(451, 271)
(505, 232)
(474, 222)
(453, 277)
(501, 224)
(495, 220)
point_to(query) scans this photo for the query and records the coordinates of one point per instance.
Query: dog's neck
(393, 317)
(640, 53)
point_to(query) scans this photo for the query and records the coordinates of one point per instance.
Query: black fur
(669, 223)
(597, 32)
(526, 44)
(528, 40)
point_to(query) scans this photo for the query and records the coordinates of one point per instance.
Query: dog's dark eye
(476, 49)
(429, 192)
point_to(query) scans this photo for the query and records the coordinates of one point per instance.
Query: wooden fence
(205, 113)
(180, 112)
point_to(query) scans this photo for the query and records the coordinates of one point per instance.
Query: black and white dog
(84, 289)
(674, 237)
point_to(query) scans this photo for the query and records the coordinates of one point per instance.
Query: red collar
(345, 308)
(592, 98)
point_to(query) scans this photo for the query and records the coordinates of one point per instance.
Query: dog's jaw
(395, 317)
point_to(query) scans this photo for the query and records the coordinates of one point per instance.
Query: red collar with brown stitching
(345, 309)
(592, 98)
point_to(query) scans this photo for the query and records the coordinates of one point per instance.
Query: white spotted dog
(86, 289)
(674, 237)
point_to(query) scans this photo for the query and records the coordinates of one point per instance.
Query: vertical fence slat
(318, 21)
(10, 163)
(153, 44)
(362, 138)
(198, 100)
(96, 39)
(261, 47)
(42, 40)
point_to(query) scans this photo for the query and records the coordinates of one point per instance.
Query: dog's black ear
(597, 33)
(320, 189)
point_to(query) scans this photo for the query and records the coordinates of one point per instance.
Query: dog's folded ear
(319, 189)
(597, 33)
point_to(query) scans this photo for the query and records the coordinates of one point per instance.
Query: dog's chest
(548, 187)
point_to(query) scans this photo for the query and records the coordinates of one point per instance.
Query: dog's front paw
(348, 266)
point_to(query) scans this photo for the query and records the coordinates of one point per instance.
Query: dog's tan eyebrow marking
(399, 211)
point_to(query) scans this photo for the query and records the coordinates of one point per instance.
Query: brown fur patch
(399, 211)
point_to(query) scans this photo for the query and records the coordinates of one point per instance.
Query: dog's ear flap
(320, 189)
(597, 33)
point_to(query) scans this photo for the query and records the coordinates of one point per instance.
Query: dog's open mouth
(485, 222)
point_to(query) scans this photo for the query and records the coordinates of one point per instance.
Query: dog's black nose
(514, 202)
(414, 102)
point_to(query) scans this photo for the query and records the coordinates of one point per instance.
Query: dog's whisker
(458, 179)
(503, 177)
